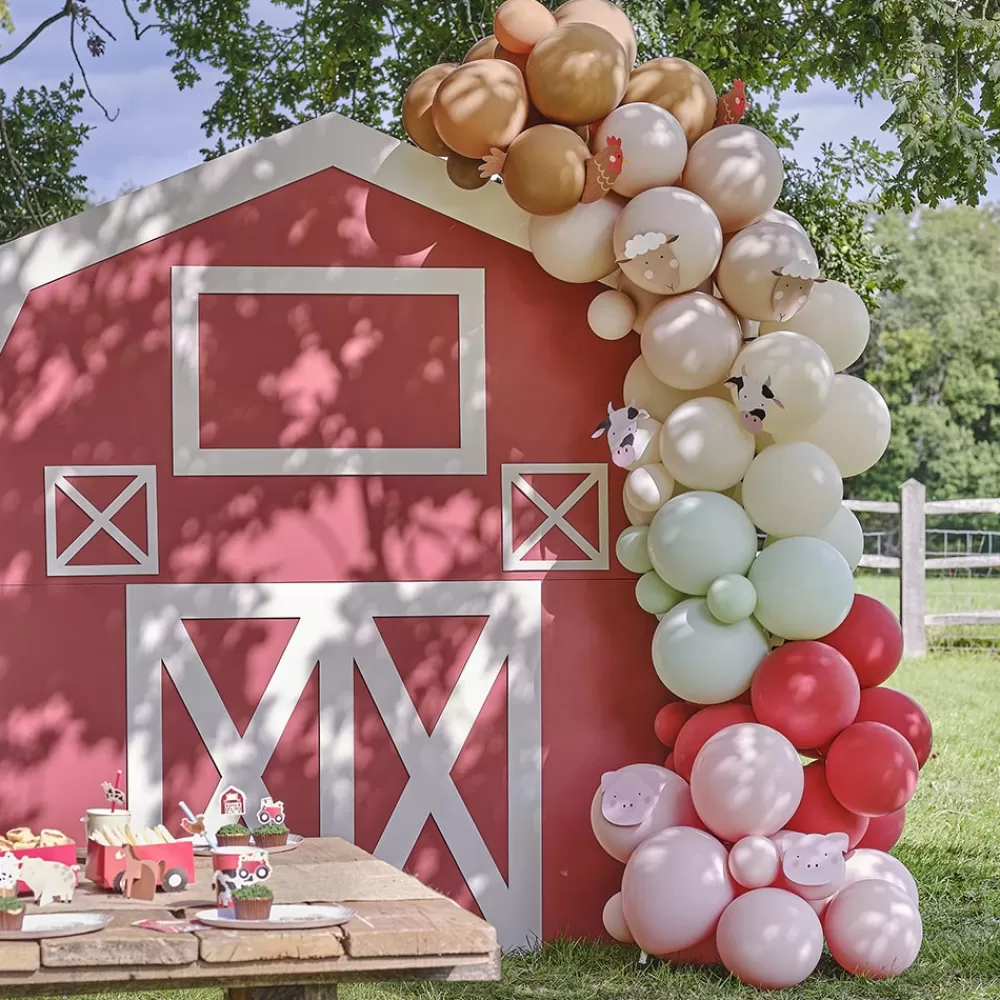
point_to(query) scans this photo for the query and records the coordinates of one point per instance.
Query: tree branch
(69, 9)
(83, 73)
(138, 29)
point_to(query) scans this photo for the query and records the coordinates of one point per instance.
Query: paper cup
(105, 819)
(225, 860)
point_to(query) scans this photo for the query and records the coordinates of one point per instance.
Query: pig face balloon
(628, 797)
(813, 864)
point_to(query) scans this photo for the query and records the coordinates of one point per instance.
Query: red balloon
(871, 769)
(669, 762)
(820, 812)
(883, 832)
(700, 728)
(807, 691)
(669, 720)
(872, 640)
(900, 712)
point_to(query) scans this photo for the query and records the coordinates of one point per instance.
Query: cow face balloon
(753, 399)
(621, 427)
(813, 864)
(628, 797)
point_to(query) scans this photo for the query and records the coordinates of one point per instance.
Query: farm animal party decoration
(140, 878)
(739, 421)
(48, 881)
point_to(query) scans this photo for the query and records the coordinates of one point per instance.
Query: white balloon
(792, 489)
(703, 446)
(632, 550)
(845, 534)
(577, 246)
(697, 537)
(611, 315)
(637, 518)
(647, 442)
(836, 318)
(653, 143)
(805, 588)
(855, 428)
(649, 487)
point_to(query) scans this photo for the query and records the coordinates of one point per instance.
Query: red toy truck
(106, 865)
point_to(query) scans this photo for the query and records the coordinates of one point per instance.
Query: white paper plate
(202, 850)
(289, 917)
(38, 926)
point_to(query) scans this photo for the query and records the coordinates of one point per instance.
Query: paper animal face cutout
(628, 797)
(196, 828)
(49, 881)
(270, 811)
(621, 426)
(10, 868)
(793, 288)
(603, 169)
(753, 399)
(813, 859)
(112, 794)
(650, 255)
(732, 105)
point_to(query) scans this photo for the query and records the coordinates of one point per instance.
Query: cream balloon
(731, 599)
(649, 487)
(782, 218)
(667, 240)
(746, 781)
(636, 517)
(690, 341)
(754, 862)
(804, 586)
(577, 246)
(746, 276)
(653, 144)
(611, 315)
(836, 318)
(697, 537)
(798, 373)
(632, 550)
(703, 446)
(654, 596)
(614, 920)
(846, 535)
(644, 301)
(703, 661)
(770, 939)
(792, 489)
(647, 436)
(738, 171)
(657, 398)
(854, 429)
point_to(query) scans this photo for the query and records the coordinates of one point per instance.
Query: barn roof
(238, 177)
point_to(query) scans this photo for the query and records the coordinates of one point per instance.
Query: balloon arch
(767, 830)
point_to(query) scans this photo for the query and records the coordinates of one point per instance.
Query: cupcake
(271, 835)
(11, 914)
(233, 835)
(252, 902)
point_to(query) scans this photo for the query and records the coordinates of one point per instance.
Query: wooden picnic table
(408, 932)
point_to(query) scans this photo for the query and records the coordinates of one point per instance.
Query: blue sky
(158, 130)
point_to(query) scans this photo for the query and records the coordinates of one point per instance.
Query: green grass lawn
(951, 845)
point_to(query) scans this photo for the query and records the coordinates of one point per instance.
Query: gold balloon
(546, 169)
(481, 105)
(418, 119)
(518, 59)
(681, 88)
(577, 74)
(520, 24)
(605, 15)
(485, 48)
(464, 173)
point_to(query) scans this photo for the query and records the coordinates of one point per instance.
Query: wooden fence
(913, 509)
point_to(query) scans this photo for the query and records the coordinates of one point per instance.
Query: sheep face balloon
(649, 256)
(793, 288)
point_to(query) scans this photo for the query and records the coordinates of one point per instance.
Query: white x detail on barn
(336, 629)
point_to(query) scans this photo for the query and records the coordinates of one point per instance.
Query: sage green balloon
(732, 599)
(632, 550)
(654, 595)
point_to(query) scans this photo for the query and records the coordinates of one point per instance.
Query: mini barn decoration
(300, 500)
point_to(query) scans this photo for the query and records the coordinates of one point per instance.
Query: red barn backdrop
(299, 494)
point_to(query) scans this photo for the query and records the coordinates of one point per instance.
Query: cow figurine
(270, 811)
(621, 427)
(629, 797)
(650, 262)
(793, 288)
(753, 398)
(813, 865)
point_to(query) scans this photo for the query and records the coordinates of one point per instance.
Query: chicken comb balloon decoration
(740, 422)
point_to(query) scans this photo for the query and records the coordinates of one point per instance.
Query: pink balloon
(703, 953)
(674, 890)
(866, 863)
(747, 781)
(754, 862)
(873, 929)
(673, 808)
(614, 920)
(770, 939)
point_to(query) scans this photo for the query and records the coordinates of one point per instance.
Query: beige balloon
(605, 15)
(703, 446)
(783, 219)
(649, 487)
(681, 88)
(657, 398)
(611, 315)
(520, 24)
(577, 246)
(738, 171)
(792, 489)
(800, 377)
(644, 301)
(653, 144)
(746, 276)
(647, 442)
(667, 240)
(418, 104)
(836, 318)
(485, 48)
(690, 341)
(854, 429)
(636, 517)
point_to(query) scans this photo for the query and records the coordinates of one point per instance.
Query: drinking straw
(118, 781)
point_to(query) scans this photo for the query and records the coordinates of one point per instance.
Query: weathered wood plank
(18, 956)
(984, 505)
(879, 562)
(873, 506)
(963, 562)
(964, 618)
(218, 946)
(912, 580)
(316, 992)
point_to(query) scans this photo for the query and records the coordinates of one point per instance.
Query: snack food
(23, 838)
(119, 838)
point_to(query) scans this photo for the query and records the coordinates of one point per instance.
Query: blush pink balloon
(873, 929)
(673, 808)
(703, 953)
(866, 863)
(746, 781)
(614, 920)
(770, 939)
(674, 890)
(754, 862)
